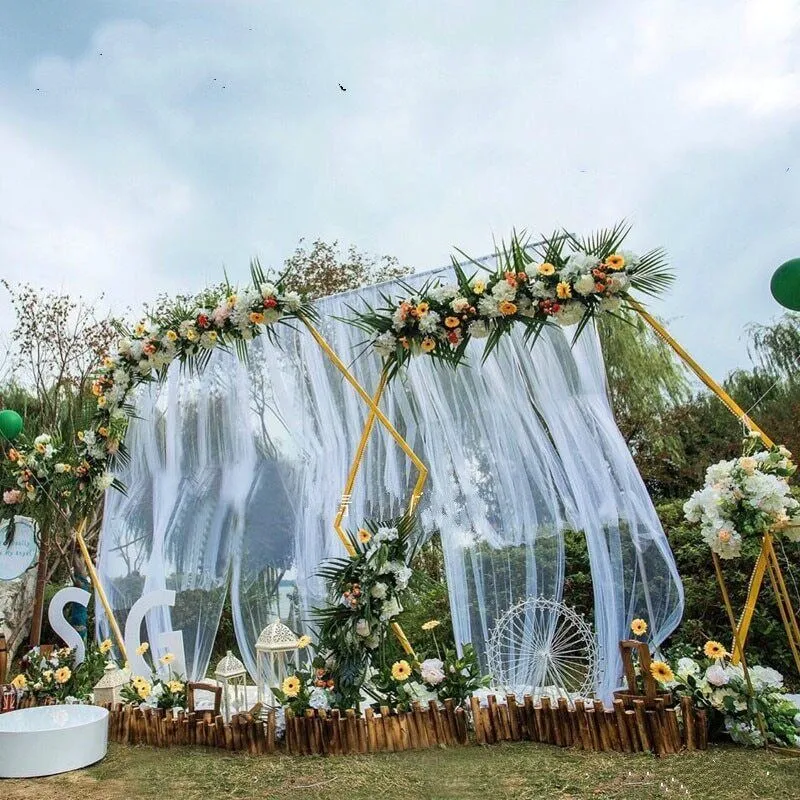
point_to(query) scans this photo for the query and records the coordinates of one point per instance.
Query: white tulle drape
(236, 474)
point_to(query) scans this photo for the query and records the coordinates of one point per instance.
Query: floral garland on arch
(746, 498)
(561, 280)
(188, 330)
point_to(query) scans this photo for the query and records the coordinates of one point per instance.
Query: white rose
(268, 290)
(717, 676)
(362, 628)
(292, 301)
(432, 671)
(385, 344)
(391, 609)
(460, 304)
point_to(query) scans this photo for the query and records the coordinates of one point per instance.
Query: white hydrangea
(429, 322)
(610, 303)
(584, 285)
(541, 290)
(503, 290)
(765, 678)
(391, 608)
(686, 667)
(319, 699)
(488, 306)
(717, 676)
(577, 264)
(478, 329)
(385, 344)
(618, 282)
(443, 293)
(379, 590)
(292, 301)
(268, 290)
(570, 314)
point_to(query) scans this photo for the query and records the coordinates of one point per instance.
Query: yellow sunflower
(167, 658)
(452, 322)
(175, 686)
(431, 624)
(143, 690)
(662, 672)
(428, 344)
(20, 682)
(364, 535)
(563, 290)
(63, 674)
(546, 269)
(639, 627)
(105, 646)
(616, 261)
(401, 670)
(291, 686)
(478, 286)
(714, 649)
(142, 649)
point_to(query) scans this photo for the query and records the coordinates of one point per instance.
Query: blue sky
(147, 145)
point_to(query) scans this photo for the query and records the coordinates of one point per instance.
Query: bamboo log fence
(585, 726)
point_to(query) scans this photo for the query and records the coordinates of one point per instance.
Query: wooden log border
(586, 725)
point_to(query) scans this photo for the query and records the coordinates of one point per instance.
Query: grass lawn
(520, 771)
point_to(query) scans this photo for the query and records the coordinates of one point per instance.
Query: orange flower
(599, 287)
(422, 309)
(13, 455)
(546, 269)
(103, 431)
(452, 322)
(364, 535)
(507, 308)
(428, 344)
(616, 261)
(256, 317)
(97, 388)
(511, 279)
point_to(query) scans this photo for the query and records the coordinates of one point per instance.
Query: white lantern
(272, 648)
(109, 688)
(232, 675)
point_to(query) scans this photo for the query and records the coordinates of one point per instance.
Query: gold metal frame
(767, 558)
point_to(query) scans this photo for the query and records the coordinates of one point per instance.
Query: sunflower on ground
(662, 672)
(714, 649)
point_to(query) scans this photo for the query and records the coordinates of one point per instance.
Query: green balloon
(10, 424)
(785, 284)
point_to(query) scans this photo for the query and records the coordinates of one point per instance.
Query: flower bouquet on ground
(56, 678)
(308, 688)
(159, 690)
(745, 498)
(365, 594)
(721, 688)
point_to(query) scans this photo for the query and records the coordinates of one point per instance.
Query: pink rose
(220, 314)
(12, 497)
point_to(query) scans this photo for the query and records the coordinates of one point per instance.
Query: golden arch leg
(374, 413)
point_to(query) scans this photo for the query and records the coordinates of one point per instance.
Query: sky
(148, 145)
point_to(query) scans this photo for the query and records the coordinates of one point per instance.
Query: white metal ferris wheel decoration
(543, 647)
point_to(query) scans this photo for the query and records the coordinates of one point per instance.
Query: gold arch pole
(767, 561)
(374, 413)
(98, 587)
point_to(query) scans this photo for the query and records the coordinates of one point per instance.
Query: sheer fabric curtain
(520, 449)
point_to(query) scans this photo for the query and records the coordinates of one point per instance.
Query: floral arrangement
(187, 330)
(158, 690)
(720, 687)
(312, 687)
(562, 280)
(449, 677)
(56, 678)
(365, 593)
(746, 497)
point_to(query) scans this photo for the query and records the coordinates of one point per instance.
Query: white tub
(50, 739)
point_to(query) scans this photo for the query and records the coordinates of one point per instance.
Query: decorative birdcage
(109, 688)
(232, 676)
(273, 647)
